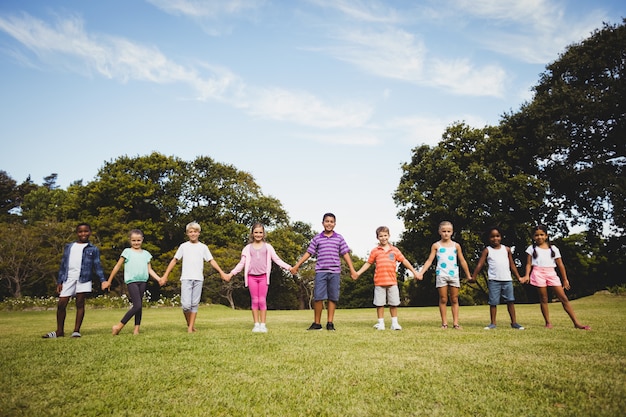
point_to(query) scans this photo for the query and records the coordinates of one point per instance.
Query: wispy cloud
(68, 45)
(206, 8)
(533, 31)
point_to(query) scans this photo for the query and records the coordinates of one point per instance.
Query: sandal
(444, 326)
(456, 327)
(76, 334)
(51, 335)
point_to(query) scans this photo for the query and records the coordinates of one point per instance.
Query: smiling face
(383, 238)
(495, 238)
(83, 233)
(193, 234)
(540, 237)
(136, 240)
(329, 224)
(258, 234)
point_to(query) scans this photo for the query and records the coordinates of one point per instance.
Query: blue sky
(320, 100)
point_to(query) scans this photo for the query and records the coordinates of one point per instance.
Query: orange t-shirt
(386, 260)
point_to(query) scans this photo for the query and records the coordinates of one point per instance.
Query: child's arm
(154, 275)
(408, 266)
(106, 284)
(513, 267)
(481, 263)
(302, 260)
(561, 266)
(529, 264)
(169, 268)
(463, 262)
(364, 268)
(214, 264)
(428, 263)
(346, 257)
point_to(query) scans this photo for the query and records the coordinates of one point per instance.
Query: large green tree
(576, 127)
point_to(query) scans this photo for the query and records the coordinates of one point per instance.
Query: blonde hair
(194, 226)
(445, 223)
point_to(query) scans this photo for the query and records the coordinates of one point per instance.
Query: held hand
(419, 276)
(566, 284)
(59, 288)
(355, 275)
(105, 285)
(524, 280)
(294, 271)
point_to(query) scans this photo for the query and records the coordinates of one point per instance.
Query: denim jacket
(90, 264)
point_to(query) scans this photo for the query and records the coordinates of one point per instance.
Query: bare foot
(115, 330)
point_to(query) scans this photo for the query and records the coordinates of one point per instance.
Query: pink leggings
(258, 291)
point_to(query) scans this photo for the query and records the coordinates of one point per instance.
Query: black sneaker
(330, 326)
(315, 326)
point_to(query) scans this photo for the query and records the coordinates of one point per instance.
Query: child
(542, 260)
(256, 261)
(386, 291)
(499, 266)
(449, 257)
(329, 247)
(137, 271)
(194, 253)
(79, 264)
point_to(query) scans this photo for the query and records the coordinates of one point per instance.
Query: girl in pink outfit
(256, 261)
(543, 259)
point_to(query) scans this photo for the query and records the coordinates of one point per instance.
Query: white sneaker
(395, 326)
(256, 328)
(379, 326)
(262, 328)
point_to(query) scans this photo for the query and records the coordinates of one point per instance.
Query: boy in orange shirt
(386, 291)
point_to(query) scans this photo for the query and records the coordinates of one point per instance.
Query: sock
(381, 321)
(394, 320)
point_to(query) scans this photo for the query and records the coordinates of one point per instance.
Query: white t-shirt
(75, 261)
(194, 255)
(498, 265)
(544, 256)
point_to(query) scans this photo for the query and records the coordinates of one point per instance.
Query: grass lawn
(226, 370)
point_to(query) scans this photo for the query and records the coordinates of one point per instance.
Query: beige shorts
(73, 287)
(389, 295)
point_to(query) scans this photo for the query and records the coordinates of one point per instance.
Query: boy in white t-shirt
(194, 253)
(79, 264)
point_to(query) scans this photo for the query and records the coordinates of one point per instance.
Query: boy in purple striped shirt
(328, 247)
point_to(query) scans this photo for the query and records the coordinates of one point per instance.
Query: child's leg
(393, 310)
(543, 302)
(253, 287)
(454, 302)
(262, 295)
(443, 304)
(136, 330)
(511, 307)
(318, 306)
(493, 310)
(61, 314)
(560, 294)
(80, 310)
(332, 306)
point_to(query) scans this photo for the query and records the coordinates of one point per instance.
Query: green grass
(226, 370)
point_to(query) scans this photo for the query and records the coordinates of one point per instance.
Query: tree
(576, 125)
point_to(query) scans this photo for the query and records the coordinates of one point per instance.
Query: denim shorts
(500, 289)
(326, 286)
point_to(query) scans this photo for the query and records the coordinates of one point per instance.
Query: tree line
(558, 161)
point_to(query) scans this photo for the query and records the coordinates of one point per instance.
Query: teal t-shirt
(136, 265)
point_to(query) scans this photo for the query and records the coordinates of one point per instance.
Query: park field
(226, 370)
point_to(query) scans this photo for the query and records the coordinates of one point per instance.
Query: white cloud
(428, 130)
(460, 77)
(206, 8)
(363, 11)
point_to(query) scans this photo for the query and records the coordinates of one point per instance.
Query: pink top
(246, 259)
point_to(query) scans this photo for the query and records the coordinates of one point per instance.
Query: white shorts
(73, 287)
(389, 295)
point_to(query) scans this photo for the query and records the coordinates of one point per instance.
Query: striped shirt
(328, 250)
(386, 261)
